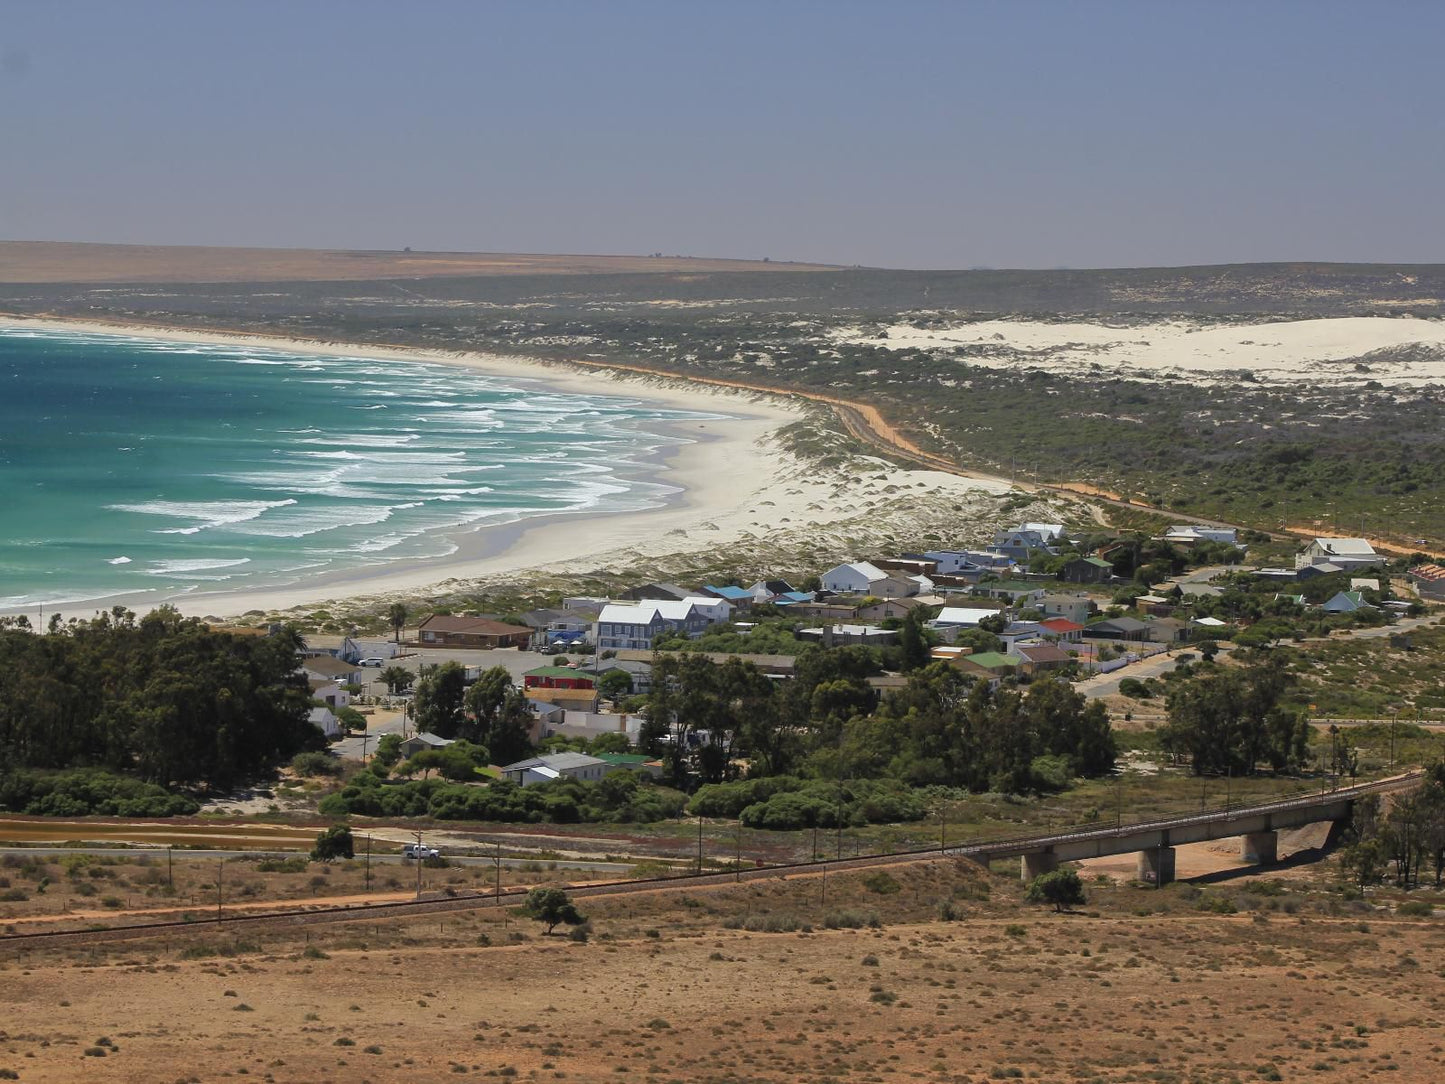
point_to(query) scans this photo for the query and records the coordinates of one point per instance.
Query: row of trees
(943, 727)
(1400, 840)
(1229, 720)
(163, 698)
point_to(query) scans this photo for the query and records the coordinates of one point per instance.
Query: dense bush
(622, 796)
(165, 698)
(791, 804)
(88, 792)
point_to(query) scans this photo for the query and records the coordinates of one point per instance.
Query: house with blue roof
(740, 597)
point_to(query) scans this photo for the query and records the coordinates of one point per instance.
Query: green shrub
(315, 764)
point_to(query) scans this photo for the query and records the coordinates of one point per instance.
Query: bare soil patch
(688, 987)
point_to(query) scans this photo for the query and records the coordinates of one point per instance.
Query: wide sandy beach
(736, 485)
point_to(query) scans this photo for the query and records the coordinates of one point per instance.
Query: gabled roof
(732, 594)
(788, 598)
(1097, 562)
(1346, 547)
(866, 569)
(1123, 624)
(426, 737)
(473, 626)
(1061, 625)
(993, 660)
(559, 671)
(1043, 653)
(1050, 530)
(558, 762)
(964, 615)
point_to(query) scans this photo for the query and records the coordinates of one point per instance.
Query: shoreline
(719, 467)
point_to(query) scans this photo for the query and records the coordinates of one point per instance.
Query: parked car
(419, 850)
(373, 661)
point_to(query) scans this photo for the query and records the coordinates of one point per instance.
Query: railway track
(981, 851)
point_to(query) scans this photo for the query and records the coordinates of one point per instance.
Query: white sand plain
(1398, 352)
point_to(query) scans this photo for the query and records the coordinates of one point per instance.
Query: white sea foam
(198, 564)
(210, 513)
(119, 561)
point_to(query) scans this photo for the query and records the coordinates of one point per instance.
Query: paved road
(1108, 684)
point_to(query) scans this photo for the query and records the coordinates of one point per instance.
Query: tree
(388, 750)
(335, 842)
(1364, 861)
(484, 703)
(351, 719)
(1062, 888)
(396, 614)
(553, 907)
(615, 684)
(439, 699)
(396, 679)
(911, 642)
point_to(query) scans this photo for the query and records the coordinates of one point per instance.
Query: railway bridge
(1257, 827)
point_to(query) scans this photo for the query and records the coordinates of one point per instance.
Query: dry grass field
(51, 261)
(748, 983)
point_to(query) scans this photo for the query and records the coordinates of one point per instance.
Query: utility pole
(942, 826)
(497, 859)
(418, 865)
(220, 876)
(699, 843)
(368, 863)
(738, 853)
(170, 878)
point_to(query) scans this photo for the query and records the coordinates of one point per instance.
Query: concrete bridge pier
(1259, 848)
(1156, 866)
(1037, 864)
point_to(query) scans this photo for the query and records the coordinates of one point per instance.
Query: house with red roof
(1061, 630)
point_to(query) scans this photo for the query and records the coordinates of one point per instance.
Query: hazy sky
(906, 134)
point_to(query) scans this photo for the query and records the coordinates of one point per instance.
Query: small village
(1039, 601)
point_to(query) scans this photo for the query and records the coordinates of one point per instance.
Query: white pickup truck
(419, 850)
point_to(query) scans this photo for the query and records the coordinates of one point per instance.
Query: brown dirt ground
(1139, 990)
(49, 261)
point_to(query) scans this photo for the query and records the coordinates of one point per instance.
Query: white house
(556, 766)
(1077, 608)
(1051, 532)
(1346, 553)
(1187, 534)
(962, 617)
(636, 625)
(323, 720)
(333, 695)
(952, 620)
(853, 579)
(354, 650)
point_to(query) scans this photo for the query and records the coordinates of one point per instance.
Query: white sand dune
(1395, 351)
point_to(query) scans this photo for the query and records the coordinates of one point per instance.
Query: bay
(136, 467)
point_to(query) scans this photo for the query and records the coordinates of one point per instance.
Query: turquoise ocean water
(132, 466)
